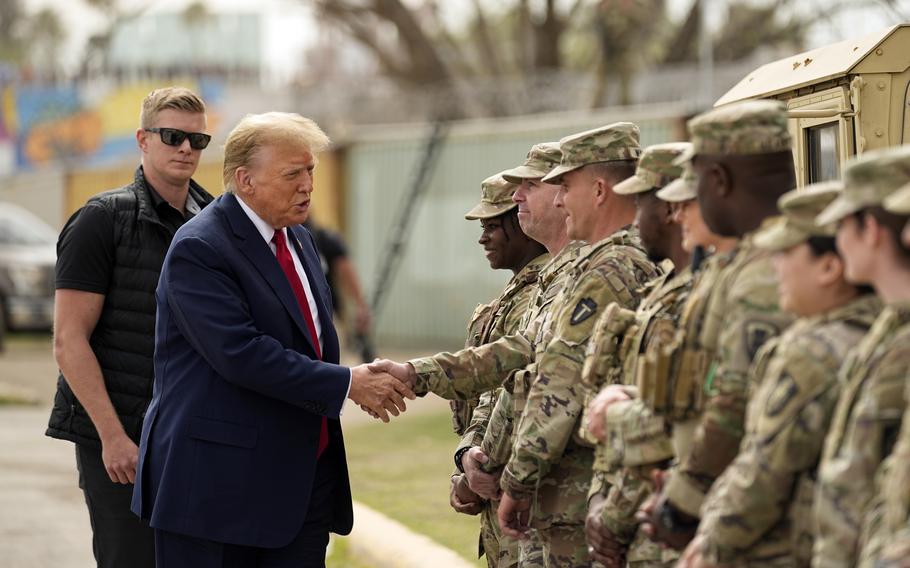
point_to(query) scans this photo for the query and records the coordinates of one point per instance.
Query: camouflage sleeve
(637, 442)
(480, 418)
(627, 493)
(496, 441)
(892, 513)
(472, 371)
(896, 552)
(748, 317)
(508, 322)
(846, 475)
(789, 416)
(555, 400)
(602, 365)
(636, 436)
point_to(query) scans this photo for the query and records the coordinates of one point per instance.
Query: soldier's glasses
(174, 137)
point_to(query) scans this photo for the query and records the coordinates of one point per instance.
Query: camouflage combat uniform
(504, 315)
(741, 312)
(629, 348)
(549, 465)
(759, 512)
(496, 440)
(887, 540)
(491, 432)
(637, 439)
(865, 426)
(491, 321)
(874, 376)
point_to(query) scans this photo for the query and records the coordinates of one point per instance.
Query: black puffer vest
(124, 338)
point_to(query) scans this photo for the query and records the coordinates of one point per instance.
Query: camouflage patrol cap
(899, 201)
(740, 129)
(682, 188)
(610, 143)
(796, 224)
(655, 168)
(868, 180)
(541, 160)
(495, 198)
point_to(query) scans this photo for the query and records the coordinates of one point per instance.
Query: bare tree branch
(489, 54)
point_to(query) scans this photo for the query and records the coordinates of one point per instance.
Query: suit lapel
(313, 270)
(257, 251)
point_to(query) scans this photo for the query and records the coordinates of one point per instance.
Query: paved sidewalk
(44, 523)
(43, 519)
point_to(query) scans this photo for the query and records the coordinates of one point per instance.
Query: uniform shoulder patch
(585, 308)
(784, 391)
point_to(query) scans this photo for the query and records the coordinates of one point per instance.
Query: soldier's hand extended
(404, 372)
(602, 544)
(120, 456)
(482, 483)
(380, 392)
(514, 516)
(597, 409)
(462, 499)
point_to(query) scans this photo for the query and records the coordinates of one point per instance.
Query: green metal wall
(444, 273)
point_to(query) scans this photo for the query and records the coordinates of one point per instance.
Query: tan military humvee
(843, 99)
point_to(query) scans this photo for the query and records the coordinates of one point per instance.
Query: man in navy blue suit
(241, 461)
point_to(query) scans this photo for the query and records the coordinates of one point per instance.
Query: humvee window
(822, 152)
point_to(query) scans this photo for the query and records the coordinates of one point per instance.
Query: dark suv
(27, 257)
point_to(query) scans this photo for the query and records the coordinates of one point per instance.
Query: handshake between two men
(380, 388)
(469, 491)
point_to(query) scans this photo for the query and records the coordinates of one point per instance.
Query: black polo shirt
(85, 249)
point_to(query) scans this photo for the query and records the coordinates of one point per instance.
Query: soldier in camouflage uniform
(646, 431)
(759, 512)
(625, 348)
(478, 460)
(547, 478)
(742, 162)
(485, 451)
(887, 544)
(868, 415)
(547, 224)
(618, 266)
(507, 247)
(888, 541)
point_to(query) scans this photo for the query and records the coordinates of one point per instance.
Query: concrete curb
(382, 542)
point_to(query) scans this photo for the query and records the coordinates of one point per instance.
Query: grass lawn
(340, 556)
(402, 470)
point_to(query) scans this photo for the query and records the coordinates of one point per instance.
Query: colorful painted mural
(88, 126)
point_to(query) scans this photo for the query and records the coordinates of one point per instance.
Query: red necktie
(287, 264)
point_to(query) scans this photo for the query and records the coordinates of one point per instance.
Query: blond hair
(268, 129)
(176, 98)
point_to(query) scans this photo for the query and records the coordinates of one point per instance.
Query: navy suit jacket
(228, 448)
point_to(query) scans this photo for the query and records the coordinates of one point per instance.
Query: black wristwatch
(458, 454)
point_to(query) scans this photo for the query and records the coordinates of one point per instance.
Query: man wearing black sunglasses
(109, 256)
